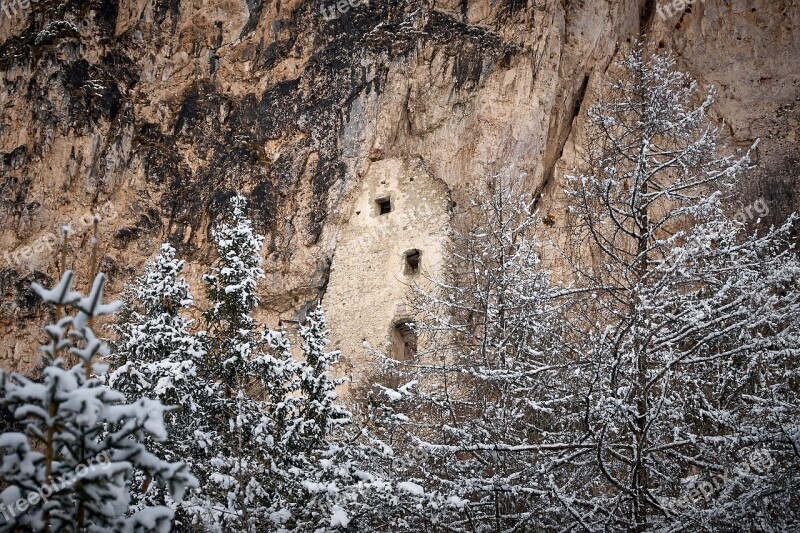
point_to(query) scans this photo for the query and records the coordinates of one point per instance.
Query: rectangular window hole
(384, 206)
(412, 261)
(404, 341)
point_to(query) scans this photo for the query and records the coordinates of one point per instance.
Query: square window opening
(384, 206)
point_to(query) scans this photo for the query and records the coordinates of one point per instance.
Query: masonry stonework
(369, 280)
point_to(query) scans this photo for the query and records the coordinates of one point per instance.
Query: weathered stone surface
(369, 278)
(154, 112)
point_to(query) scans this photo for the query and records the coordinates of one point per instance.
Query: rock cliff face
(152, 112)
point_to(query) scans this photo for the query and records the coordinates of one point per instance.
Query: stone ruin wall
(366, 296)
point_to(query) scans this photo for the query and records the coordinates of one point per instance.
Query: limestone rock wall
(153, 112)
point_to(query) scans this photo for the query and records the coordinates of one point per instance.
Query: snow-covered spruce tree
(320, 462)
(157, 357)
(485, 393)
(688, 327)
(319, 411)
(235, 483)
(283, 459)
(71, 466)
(325, 481)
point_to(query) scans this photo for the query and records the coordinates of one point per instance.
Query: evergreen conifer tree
(71, 465)
(156, 356)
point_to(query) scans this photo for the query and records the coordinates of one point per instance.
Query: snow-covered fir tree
(236, 490)
(155, 352)
(689, 336)
(319, 411)
(277, 463)
(71, 466)
(232, 293)
(156, 356)
(323, 478)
